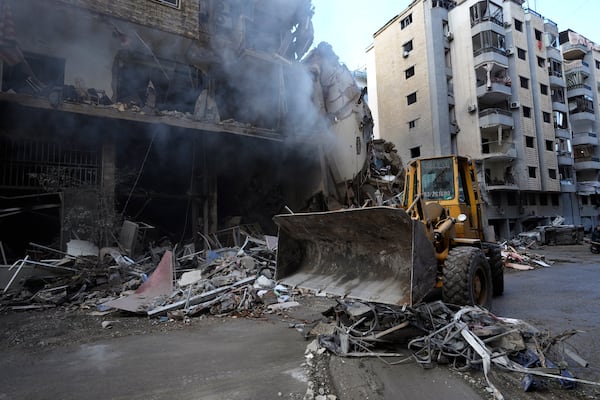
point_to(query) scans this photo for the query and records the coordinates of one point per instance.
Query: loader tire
(467, 278)
(494, 257)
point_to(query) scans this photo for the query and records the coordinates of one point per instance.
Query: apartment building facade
(482, 79)
(582, 73)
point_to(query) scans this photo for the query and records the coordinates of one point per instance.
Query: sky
(349, 25)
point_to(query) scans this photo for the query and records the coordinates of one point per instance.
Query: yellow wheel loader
(399, 254)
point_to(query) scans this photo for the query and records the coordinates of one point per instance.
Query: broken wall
(182, 20)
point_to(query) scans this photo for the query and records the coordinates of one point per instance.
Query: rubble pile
(164, 282)
(521, 259)
(463, 337)
(386, 173)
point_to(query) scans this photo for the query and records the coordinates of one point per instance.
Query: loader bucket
(376, 254)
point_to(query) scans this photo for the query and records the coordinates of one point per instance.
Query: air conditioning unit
(406, 53)
(510, 51)
(449, 36)
(472, 108)
(514, 105)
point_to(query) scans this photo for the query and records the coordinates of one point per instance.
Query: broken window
(407, 47)
(37, 72)
(175, 86)
(543, 89)
(552, 173)
(522, 54)
(524, 82)
(409, 72)
(526, 112)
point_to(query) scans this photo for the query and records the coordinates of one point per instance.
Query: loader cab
(450, 181)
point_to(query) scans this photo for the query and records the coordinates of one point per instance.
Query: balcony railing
(555, 73)
(579, 86)
(489, 49)
(571, 65)
(494, 111)
(586, 159)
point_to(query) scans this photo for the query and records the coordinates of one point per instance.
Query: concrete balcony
(559, 106)
(491, 55)
(562, 133)
(587, 115)
(557, 79)
(568, 187)
(501, 186)
(565, 159)
(579, 90)
(589, 138)
(574, 51)
(587, 164)
(494, 93)
(500, 153)
(577, 66)
(493, 117)
(553, 52)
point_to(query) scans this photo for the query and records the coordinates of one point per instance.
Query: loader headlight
(461, 218)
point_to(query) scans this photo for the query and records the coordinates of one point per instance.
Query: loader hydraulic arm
(442, 234)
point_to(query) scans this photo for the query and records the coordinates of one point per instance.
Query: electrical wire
(139, 173)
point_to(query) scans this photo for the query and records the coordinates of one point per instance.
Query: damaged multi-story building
(189, 115)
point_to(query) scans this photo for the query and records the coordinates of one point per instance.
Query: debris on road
(554, 234)
(521, 258)
(463, 337)
(179, 283)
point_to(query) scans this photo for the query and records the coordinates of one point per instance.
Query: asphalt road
(237, 359)
(560, 298)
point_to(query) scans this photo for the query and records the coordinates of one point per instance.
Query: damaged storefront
(189, 118)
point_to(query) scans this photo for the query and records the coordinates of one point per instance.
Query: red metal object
(160, 283)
